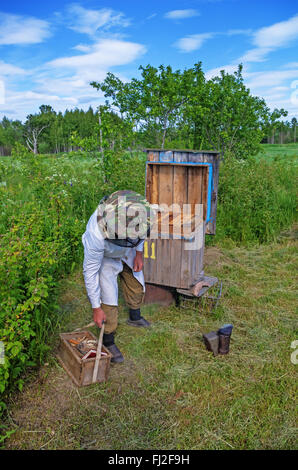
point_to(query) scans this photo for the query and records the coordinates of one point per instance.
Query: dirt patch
(212, 255)
(41, 407)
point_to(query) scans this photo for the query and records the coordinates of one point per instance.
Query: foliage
(257, 199)
(36, 124)
(155, 101)
(183, 107)
(20, 151)
(44, 207)
(229, 118)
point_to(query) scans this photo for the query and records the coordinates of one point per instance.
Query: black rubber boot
(135, 319)
(108, 339)
(108, 342)
(211, 341)
(224, 336)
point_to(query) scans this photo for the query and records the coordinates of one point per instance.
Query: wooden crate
(179, 177)
(81, 371)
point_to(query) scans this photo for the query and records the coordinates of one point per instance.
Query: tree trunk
(164, 133)
(35, 150)
(100, 136)
(101, 146)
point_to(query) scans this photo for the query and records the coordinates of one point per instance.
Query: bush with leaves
(44, 207)
(256, 199)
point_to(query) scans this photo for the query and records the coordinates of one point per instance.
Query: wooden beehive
(81, 370)
(179, 177)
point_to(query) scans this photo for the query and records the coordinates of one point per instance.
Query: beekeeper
(113, 245)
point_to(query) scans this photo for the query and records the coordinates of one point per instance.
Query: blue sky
(50, 51)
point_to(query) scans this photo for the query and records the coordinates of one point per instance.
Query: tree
(33, 131)
(273, 123)
(36, 124)
(154, 102)
(228, 118)
(10, 132)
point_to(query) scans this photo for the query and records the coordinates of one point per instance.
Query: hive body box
(180, 177)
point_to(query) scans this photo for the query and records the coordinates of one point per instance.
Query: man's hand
(138, 262)
(99, 316)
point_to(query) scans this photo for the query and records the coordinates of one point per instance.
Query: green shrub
(256, 199)
(44, 207)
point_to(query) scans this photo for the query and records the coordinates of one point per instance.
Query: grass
(170, 393)
(270, 152)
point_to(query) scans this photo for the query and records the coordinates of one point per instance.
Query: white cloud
(231, 68)
(72, 75)
(76, 86)
(83, 48)
(280, 88)
(8, 69)
(192, 42)
(258, 54)
(275, 87)
(19, 104)
(91, 21)
(285, 101)
(65, 82)
(32, 95)
(269, 78)
(181, 14)
(278, 34)
(103, 54)
(270, 38)
(291, 65)
(234, 32)
(16, 29)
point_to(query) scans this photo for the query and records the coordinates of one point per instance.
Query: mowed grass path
(269, 151)
(170, 393)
